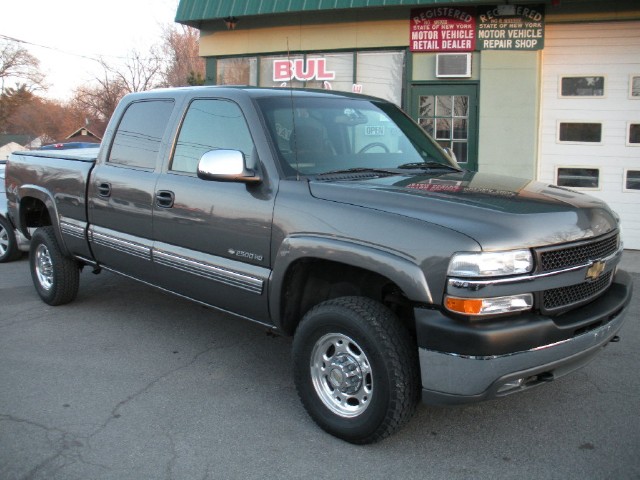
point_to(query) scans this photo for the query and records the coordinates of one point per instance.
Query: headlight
(490, 264)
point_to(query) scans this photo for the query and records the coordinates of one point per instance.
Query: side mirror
(226, 166)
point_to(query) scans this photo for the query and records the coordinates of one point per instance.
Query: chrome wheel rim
(44, 267)
(341, 375)
(4, 240)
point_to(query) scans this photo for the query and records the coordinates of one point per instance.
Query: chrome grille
(578, 254)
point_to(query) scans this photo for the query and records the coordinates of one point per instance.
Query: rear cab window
(139, 135)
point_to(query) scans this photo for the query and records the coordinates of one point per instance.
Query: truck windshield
(318, 136)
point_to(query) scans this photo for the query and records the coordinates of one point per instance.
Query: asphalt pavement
(130, 383)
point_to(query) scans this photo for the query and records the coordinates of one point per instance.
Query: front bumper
(464, 362)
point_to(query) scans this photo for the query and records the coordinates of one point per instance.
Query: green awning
(191, 12)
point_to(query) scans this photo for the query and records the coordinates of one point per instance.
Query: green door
(449, 113)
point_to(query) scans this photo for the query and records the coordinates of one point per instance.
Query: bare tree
(11, 99)
(101, 97)
(138, 73)
(19, 66)
(183, 65)
(48, 119)
(175, 62)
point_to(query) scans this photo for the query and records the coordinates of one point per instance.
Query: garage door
(590, 129)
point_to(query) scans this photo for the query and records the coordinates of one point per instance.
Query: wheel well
(33, 214)
(312, 281)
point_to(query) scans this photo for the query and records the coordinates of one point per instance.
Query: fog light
(489, 306)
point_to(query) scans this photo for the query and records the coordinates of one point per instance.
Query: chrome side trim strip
(208, 271)
(270, 326)
(72, 229)
(131, 248)
(183, 263)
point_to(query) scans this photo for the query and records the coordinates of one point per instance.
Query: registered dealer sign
(486, 27)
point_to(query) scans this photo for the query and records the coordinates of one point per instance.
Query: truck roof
(232, 91)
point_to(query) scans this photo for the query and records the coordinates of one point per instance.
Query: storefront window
(277, 71)
(338, 65)
(237, 71)
(380, 74)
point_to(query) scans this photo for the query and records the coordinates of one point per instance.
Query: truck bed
(80, 154)
(58, 179)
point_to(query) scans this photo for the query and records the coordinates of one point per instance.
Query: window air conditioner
(452, 65)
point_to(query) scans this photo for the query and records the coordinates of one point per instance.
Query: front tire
(55, 276)
(356, 369)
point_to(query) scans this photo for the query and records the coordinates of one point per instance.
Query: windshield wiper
(429, 166)
(383, 171)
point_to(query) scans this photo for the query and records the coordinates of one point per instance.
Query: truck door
(121, 191)
(212, 239)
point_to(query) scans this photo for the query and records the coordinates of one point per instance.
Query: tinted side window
(137, 140)
(211, 125)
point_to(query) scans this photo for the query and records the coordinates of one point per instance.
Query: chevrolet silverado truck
(334, 219)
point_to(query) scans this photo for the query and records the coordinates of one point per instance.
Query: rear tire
(55, 276)
(356, 369)
(8, 243)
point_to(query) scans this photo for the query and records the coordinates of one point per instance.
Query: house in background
(22, 140)
(83, 134)
(80, 138)
(8, 148)
(10, 143)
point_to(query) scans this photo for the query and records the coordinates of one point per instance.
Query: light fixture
(231, 22)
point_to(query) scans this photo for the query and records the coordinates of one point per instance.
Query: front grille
(573, 295)
(551, 259)
(580, 254)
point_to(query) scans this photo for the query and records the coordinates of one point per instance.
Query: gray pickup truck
(335, 219)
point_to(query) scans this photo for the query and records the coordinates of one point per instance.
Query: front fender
(395, 266)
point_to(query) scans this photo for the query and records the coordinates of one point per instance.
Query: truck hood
(498, 212)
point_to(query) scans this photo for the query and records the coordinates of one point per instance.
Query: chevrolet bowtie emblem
(595, 270)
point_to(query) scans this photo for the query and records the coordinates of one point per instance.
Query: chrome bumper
(452, 378)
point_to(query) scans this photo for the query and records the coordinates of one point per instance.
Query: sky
(65, 35)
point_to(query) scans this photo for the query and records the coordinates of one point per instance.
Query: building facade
(544, 90)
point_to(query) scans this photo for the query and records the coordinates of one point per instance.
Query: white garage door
(590, 133)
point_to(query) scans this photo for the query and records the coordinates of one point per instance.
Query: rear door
(122, 190)
(212, 239)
